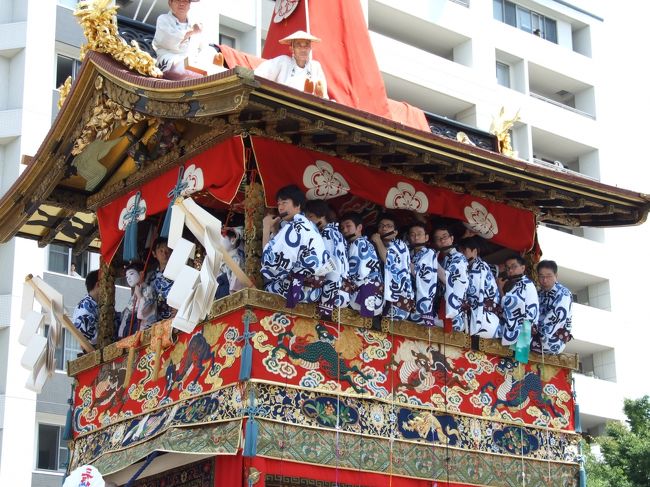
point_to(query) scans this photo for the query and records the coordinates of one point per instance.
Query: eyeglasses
(440, 238)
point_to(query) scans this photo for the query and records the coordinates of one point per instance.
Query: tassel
(576, 416)
(252, 428)
(246, 362)
(176, 192)
(130, 252)
(67, 429)
(582, 482)
(164, 231)
(522, 347)
(250, 441)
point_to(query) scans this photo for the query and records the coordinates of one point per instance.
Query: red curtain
(219, 171)
(327, 177)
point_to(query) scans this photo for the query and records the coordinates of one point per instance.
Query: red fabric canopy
(219, 171)
(347, 57)
(326, 177)
(234, 58)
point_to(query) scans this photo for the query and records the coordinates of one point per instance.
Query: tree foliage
(625, 450)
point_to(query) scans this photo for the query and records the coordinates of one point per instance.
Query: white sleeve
(167, 35)
(269, 69)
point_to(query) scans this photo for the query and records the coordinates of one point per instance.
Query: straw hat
(299, 34)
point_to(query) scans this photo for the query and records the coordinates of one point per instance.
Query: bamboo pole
(62, 317)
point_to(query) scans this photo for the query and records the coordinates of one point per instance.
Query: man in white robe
(299, 70)
(482, 298)
(424, 270)
(294, 255)
(519, 303)
(555, 300)
(394, 254)
(364, 282)
(179, 38)
(453, 281)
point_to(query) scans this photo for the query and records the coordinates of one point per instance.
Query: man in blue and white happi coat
(294, 255)
(424, 270)
(333, 296)
(555, 300)
(158, 283)
(483, 297)
(519, 303)
(394, 253)
(364, 282)
(86, 315)
(452, 274)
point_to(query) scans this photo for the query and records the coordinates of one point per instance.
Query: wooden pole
(106, 327)
(62, 317)
(254, 209)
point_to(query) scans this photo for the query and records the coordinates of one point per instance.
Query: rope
(521, 436)
(392, 394)
(150, 458)
(444, 354)
(433, 438)
(144, 270)
(547, 427)
(338, 396)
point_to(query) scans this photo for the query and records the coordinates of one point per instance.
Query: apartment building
(458, 59)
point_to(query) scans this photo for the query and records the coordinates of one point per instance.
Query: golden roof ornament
(64, 89)
(500, 127)
(97, 18)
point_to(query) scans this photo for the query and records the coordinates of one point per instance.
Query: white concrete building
(460, 59)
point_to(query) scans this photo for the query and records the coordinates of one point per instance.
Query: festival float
(243, 390)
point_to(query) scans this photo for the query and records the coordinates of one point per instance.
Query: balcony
(592, 330)
(10, 125)
(73, 289)
(565, 106)
(12, 38)
(599, 401)
(5, 311)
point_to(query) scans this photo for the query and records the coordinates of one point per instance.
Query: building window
(58, 259)
(503, 74)
(61, 260)
(69, 350)
(65, 66)
(229, 41)
(52, 448)
(525, 19)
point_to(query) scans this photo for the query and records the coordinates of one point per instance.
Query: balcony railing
(559, 167)
(450, 128)
(562, 105)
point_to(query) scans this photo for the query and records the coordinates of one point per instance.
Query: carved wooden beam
(83, 243)
(155, 168)
(67, 200)
(54, 230)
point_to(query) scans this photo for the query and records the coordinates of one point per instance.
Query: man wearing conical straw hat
(299, 70)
